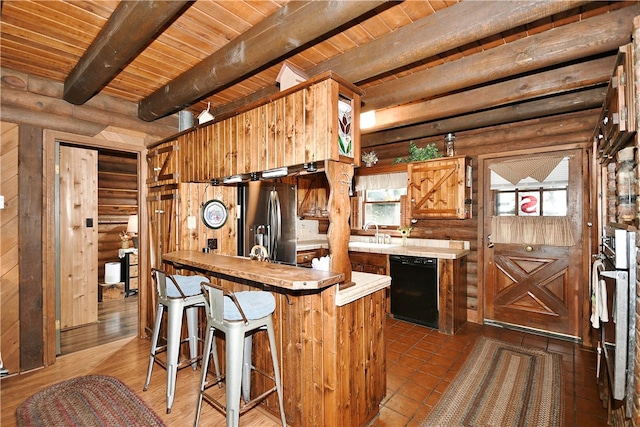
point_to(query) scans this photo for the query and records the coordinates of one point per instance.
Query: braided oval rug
(92, 400)
(503, 384)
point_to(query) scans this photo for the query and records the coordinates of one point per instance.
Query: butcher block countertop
(278, 275)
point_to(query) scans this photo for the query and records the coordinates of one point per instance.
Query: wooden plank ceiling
(426, 67)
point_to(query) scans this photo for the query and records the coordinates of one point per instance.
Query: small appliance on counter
(268, 219)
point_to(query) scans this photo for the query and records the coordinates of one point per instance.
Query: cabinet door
(163, 164)
(439, 189)
(369, 262)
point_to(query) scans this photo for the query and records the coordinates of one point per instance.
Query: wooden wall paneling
(324, 128)
(262, 128)
(271, 133)
(288, 130)
(249, 120)
(30, 204)
(280, 129)
(310, 118)
(9, 249)
(290, 314)
(236, 151)
(186, 147)
(244, 148)
(297, 108)
(328, 355)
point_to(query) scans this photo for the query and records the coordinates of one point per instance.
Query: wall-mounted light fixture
(275, 173)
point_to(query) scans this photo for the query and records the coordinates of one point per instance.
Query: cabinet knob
(528, 248)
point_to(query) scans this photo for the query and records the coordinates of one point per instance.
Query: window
(382, 206)
(534, 186)
(540, 202)
(380, 196)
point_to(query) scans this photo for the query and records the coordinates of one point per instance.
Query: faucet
(366, 227)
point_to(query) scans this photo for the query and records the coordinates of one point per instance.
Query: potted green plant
(417, 154)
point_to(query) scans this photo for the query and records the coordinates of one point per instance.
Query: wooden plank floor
(421, 363)
(117, 319)
(126, 360)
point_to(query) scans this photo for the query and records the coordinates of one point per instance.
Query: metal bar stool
(181, 295)
(238, 315)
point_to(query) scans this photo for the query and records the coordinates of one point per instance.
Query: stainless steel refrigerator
(268, 218)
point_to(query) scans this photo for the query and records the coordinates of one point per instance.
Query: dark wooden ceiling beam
(263, 44)
(447, 29)
(546, 83)
(597, 35)
(561, 104)
(130, 28)
(466, 22)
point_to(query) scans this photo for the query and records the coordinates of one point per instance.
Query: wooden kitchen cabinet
(299, 126)
(366, 262)
(440, 188)
(163, 164)
(617, 122)
(313, 196)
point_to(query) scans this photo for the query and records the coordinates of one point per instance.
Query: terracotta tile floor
(421, 363)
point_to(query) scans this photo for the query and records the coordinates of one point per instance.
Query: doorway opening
(101, 233)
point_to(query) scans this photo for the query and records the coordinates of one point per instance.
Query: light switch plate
(1, 202)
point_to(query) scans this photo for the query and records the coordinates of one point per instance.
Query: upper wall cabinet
(440, 188)
(311, 122)
(163, 164)
(617, 120)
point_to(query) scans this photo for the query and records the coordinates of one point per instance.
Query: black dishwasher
(414, 289)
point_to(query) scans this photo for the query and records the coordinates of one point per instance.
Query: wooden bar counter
(332, 357)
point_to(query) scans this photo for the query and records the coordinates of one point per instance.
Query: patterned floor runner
(503, 384)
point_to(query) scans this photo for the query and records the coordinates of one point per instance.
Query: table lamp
(132, 228)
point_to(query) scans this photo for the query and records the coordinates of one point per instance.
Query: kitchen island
(331, 356)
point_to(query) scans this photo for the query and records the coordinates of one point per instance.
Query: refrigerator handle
(275, 222)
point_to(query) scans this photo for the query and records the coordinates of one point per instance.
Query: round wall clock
(214, 214)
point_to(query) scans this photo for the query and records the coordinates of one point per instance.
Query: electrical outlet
(212, 243)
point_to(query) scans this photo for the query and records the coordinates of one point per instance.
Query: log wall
(117, 199)
(573, 128)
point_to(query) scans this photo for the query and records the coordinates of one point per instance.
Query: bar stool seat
(237, 315)
(180, 295)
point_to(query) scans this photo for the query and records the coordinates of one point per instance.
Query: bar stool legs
(181, 296)
(226, 313)
(174, 328)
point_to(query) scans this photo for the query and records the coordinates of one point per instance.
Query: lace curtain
(538, 230)
(381, 181)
